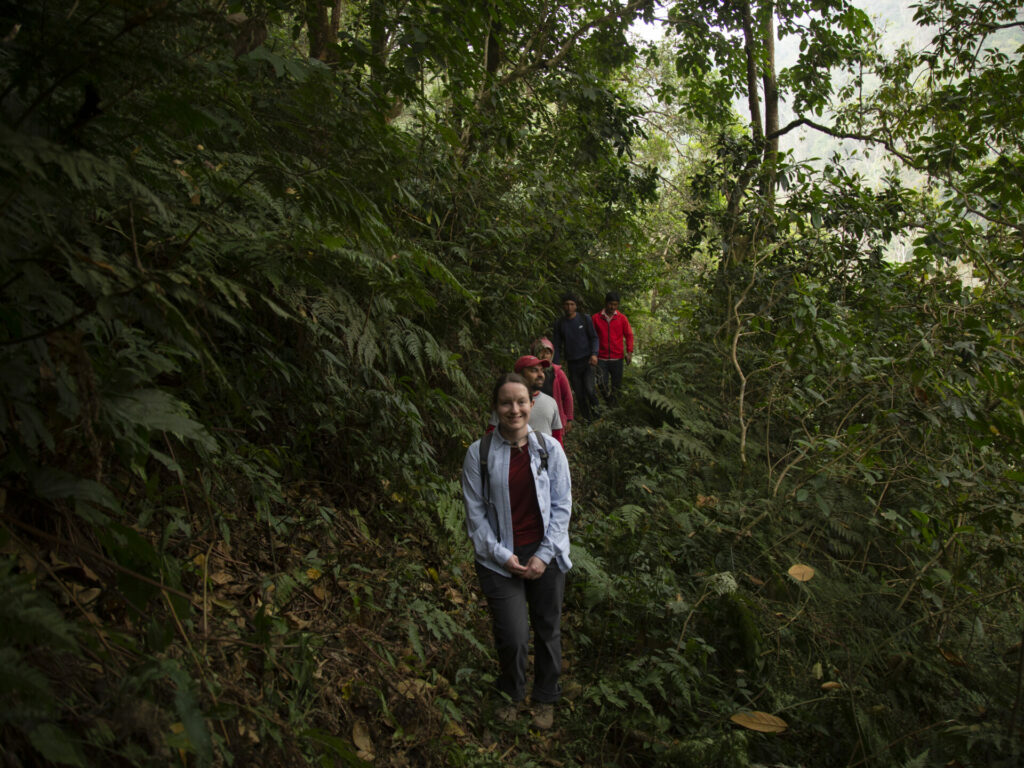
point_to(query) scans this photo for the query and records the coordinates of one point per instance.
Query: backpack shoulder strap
(542, 447)
(485, 448)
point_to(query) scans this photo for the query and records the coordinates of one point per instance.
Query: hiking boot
(508, 713)
(544, 716)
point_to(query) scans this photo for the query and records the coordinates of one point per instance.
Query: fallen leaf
(755, 581)
(56, 561)
(801, 572)
(451, 728)
(952, 658)
(89, 572)
(313, 574)
(221, 577)
(85, 596)
(760, 721)
(831, 685)
(361, 738)
(413, 688)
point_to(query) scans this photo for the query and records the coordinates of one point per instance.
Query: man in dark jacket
(575, 342)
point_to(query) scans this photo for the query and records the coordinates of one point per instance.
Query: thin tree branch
(793, 125)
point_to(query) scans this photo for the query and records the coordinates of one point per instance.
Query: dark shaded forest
(262, 260)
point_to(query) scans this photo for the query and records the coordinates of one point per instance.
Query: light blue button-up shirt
(490, 530)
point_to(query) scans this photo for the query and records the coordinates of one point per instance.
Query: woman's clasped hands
(533, 569)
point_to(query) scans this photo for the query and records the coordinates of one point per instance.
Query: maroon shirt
(527, 524)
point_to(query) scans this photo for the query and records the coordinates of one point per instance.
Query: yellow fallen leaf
(801, 572)
(451, 728)
(760, 721)
(313, 574)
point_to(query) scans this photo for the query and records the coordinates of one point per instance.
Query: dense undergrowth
(251, 301)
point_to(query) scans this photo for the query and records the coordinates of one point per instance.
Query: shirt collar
(529, 431)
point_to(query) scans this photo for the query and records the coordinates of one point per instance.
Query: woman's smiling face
(513, 406)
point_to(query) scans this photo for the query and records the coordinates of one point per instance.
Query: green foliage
(249, 300)
(32, 715)
(819, 405)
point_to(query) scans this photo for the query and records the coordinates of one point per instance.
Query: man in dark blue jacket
(575, 342)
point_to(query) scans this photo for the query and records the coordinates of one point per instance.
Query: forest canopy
(262, 260)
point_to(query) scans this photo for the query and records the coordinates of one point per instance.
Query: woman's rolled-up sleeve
(556, 534)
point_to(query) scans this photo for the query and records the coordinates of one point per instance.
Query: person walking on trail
(575, 342)
(615, 344)
(556, 383)
(518, 498)
(544, 416)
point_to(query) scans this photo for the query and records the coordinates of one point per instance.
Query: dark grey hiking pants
(584, 391)
(513, 603)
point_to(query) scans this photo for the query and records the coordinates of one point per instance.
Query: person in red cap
(544, 415)
(556, 383)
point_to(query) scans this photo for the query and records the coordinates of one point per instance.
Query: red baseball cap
(528, 361)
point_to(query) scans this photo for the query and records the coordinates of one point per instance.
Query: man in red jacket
(615, 343)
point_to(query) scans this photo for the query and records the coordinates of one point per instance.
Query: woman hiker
(556, 383)
(518, 498)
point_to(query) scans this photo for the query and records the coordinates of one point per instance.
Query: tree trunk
(323, 28)
(749, 49)
(771, 101)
